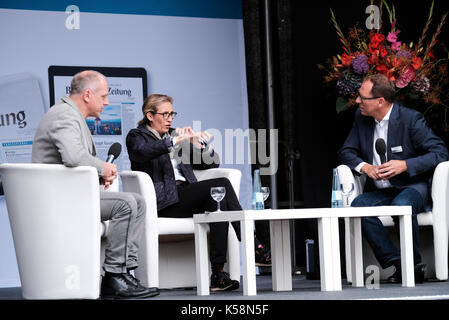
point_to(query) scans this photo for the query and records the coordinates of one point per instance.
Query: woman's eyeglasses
(165, 115)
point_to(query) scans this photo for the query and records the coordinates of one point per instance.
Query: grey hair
(87, 79)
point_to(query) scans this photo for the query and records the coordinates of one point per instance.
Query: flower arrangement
(421, 78)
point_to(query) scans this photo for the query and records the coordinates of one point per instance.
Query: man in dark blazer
(400, 174)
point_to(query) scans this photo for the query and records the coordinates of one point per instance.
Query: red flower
(430, 55)
(376, 39)
(394, 62)
(416, 62)
(346, 60)
(372, 49)
(383, 52)
(390, 75)
(373, 59)
(382, 69)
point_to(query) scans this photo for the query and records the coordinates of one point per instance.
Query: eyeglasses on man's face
(165, 115)
(368, 98)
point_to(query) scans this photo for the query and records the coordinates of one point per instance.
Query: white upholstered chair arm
(345, 175)
(440, 195)
(141, 183)
(54, 214)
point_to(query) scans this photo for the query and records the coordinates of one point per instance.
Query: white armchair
(167, 254)
(437, 219)
(54, 213)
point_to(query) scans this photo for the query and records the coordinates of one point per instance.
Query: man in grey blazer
(63, 137)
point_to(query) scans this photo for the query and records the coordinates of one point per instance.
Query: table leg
(407, 264)
(336, 263)
(248, 257)
(356, 252)
(281, 269)
(326, 255)
(348, 249)
(201, 256)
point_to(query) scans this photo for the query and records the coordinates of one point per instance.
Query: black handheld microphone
(381, 150)
(114, 151)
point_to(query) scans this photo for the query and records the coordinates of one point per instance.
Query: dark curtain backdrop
(303, 36)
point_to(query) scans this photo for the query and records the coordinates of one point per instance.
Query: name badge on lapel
(396, 149)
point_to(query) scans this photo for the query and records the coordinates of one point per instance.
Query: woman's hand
(185, 133)
(198, 139)
(201, 139)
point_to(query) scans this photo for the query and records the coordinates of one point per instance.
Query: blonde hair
(150, 105)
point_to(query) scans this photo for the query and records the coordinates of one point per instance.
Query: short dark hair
(382, 87)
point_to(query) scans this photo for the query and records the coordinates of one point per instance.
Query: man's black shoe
(396, 277)
(420, 270)
(154, 291)
(119, 286)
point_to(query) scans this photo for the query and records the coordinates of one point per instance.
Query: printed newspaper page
(21, 109)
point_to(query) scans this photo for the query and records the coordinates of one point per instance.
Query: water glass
(266, 192)
(347, 189)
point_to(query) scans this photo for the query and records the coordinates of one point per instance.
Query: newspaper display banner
(21, 109)
(116, 119)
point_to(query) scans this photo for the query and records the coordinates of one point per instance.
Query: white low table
(328, 238)
(355, 230)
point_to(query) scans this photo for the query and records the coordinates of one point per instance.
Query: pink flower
(396, 46)
(406, 76)
(393, 37)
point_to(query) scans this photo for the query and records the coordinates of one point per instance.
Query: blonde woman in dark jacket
(169, 156)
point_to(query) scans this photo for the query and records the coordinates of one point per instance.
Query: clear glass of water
(266, 192)
(347, 189)
(218, 193)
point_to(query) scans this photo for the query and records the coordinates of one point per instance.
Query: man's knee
(369, 221)
(140, 204)
(360, 201)
(127, 203)
(400, 201)
(409, 197)
(224, 182)
(372, 199)
(140, 201)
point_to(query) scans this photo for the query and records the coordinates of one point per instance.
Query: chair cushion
(165, 226)
(175, 225)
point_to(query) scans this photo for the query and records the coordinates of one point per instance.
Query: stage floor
(303, 289)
